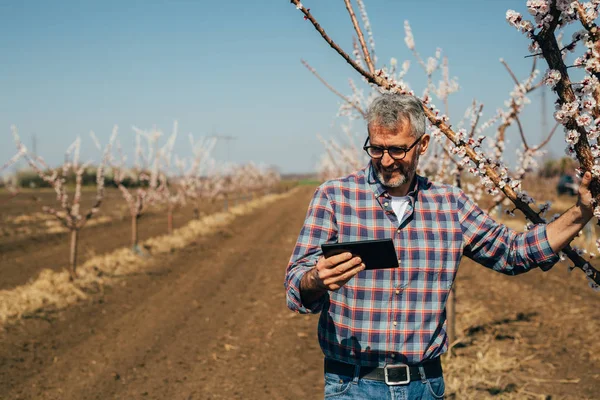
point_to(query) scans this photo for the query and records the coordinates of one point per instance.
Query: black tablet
(375, 254)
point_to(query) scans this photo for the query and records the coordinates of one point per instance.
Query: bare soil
(22, 257)
(212, 323)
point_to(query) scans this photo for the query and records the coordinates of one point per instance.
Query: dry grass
(40, 223)
(52, 290)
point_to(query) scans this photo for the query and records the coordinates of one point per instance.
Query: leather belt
(392, 374)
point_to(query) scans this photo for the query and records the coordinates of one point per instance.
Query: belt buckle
(396, 366)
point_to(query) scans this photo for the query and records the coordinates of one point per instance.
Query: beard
(396, 175)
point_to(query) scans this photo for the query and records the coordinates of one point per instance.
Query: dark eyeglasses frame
(387, 149)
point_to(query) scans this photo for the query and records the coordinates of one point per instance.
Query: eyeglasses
(397, 153)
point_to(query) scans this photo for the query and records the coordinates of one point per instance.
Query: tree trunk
(73, 254)
(196, 211)
(170, 220)
(134, 231)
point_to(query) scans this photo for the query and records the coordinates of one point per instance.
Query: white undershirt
(399, 204)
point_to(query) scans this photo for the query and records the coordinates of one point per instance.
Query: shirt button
(399, 261)
(395, 323)
(386, 204)
(393, 356)
(397, 292)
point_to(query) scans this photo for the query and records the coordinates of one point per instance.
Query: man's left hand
(585, 195)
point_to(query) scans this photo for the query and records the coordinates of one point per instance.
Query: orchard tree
(69, 212)
(577, 104)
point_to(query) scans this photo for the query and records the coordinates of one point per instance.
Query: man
(382, 331)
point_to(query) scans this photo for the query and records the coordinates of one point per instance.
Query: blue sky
(231, 68)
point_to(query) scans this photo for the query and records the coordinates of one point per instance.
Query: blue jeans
(350, 388)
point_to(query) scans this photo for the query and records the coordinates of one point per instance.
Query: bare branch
(510, 71)
(474, 124)
(521, 132)
(361, 37)
(331, 88)
(539, 146)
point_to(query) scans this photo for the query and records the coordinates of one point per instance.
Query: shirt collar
(380, 190)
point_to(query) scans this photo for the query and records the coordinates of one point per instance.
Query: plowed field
(211, 323)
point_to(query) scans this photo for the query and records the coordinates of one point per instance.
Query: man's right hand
(334, 272)
(329, 274)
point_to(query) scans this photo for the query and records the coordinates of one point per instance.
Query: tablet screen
(375, 254)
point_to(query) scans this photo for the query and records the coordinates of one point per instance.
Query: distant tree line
(30, 179)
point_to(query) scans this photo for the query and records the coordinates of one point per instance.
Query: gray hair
(390, 108)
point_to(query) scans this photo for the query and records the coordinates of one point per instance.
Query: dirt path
(212, 323)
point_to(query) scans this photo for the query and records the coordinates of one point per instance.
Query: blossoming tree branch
(577, 104)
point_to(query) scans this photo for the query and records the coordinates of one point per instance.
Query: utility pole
(227, 139)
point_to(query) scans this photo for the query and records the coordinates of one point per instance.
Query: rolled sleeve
(294, 298)
(500, 248)
(319, 227)
(538, 248)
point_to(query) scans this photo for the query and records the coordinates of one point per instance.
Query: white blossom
(552, 77)
(432, 64)
(584, 120)
(408, 39)
(572, 137)
(514, 18)
(588, 103)
(570, 108)
(538, 7)
(560, 116)
(588, 84)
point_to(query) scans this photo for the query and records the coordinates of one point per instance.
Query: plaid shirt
(399, 315)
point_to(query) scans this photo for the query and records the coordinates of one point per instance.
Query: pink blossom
(584, 120)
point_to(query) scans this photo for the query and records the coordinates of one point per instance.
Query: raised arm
(562, 230)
